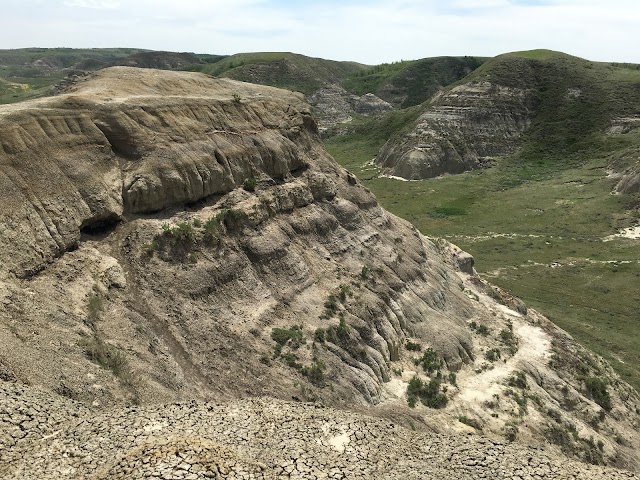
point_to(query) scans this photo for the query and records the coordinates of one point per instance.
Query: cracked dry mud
(261, 438)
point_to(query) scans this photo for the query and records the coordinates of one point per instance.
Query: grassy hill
(168, 60)
(281, 69)
(409, 83)
(575, 98)
(539, 222)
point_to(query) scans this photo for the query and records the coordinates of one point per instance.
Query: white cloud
(98, 4)
(365, 31)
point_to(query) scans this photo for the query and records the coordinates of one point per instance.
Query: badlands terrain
(192, 287)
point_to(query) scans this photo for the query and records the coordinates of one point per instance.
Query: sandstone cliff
(167, 236)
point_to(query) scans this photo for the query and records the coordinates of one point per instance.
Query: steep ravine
(171, 237)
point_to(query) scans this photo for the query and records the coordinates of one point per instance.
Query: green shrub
(234, 218)
(108, 357)
(518, 379)
(319, 335)
(472, 422)
(430, 361)
(343, 329)
(315, 373)
(331, 305)
(483, 330)
(249, 184)
(480, 329)
(151, 247)
(213, 224)
(95, 306)
(413, 347)
(597, 390)
(509, 339)
(364, 273)
(428, 393)
(492, 355)
(183, 233)
(292, 360)
(211, 237)
(293, 336)
(345, 292)
(266, 360)
(510, 431)
(521, 401)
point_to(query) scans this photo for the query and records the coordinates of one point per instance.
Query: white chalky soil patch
(534, 347)
(396, 387)
(632, 232)
(154, 427)
(506, 310)
(393, 177)
(339, 442)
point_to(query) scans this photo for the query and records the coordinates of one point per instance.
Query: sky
(369, 32)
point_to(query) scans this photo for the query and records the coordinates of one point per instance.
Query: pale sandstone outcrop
(94, 154)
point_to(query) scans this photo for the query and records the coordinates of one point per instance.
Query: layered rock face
(87, 158)
(167, 236)
(334, 105)
(462, 128)
(626, 168)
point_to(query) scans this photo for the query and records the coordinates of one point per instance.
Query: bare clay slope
(135, 268)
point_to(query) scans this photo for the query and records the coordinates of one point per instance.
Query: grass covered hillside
(574, 98)
(542, 222)
(409, 83)
(284, 70)
(547, 106)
